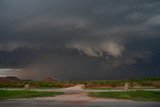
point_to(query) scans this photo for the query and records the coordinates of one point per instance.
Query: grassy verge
(11, 94)
(129, 95)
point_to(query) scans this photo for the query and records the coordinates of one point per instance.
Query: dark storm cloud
(111, 34)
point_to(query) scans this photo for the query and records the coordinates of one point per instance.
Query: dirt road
(75, 97)
(78, 94)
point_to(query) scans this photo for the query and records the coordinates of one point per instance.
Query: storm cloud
(76, 38)
(98, 50)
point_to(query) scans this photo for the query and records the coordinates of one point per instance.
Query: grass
(129, 95)
(11, 94)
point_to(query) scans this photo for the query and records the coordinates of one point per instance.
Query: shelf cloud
(86, 36)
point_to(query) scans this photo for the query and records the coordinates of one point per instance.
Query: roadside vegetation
(129, 95)
(119, 84)
(11, 94)
(34, 84)
(93, 84)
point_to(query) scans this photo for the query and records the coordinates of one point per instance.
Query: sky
(80, 39)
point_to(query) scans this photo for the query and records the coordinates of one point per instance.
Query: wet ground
(36, 103)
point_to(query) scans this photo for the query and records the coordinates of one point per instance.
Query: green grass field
(11, 94)
(129, 95)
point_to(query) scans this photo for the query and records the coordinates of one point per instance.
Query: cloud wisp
(98, 49)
